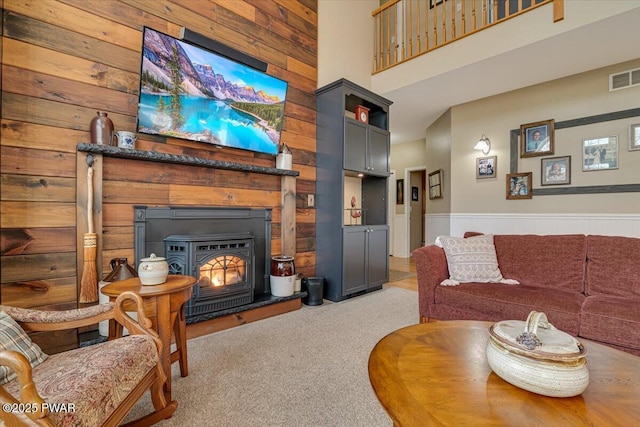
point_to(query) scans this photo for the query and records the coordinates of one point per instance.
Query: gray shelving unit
(353, 258)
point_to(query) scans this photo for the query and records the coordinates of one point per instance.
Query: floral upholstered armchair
(90, 386)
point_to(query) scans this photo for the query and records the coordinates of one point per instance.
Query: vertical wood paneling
(62, 60)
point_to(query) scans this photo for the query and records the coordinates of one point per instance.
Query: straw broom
(89, 282)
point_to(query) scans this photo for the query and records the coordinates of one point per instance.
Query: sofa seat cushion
(554, 262)
(612, 266)
(96, 378)
(512, 302)
(612, 320)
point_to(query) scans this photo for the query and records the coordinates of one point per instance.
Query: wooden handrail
(406, 29)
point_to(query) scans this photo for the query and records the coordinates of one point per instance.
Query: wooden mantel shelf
(153, 156)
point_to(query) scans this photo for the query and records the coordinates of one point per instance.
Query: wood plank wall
(64, 60)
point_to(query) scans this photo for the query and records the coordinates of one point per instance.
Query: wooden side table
(164, 304)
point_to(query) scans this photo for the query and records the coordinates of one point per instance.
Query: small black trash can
(314, 287)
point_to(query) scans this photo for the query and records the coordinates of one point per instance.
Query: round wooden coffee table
(437, 374)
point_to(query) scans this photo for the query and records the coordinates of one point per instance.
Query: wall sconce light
(483, 145)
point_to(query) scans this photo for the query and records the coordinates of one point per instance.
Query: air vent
(624, 80)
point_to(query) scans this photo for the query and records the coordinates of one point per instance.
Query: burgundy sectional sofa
(588, 286)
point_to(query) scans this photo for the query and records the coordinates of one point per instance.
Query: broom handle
(90, 198)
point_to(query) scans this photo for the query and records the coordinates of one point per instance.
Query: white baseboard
(602, 224)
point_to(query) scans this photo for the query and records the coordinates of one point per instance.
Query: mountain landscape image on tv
(191, 93)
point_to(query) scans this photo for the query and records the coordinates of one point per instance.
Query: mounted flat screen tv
(192, 93)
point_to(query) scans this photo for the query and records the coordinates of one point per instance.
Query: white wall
(345, 44)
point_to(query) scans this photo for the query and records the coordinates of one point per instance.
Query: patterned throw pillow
(12, 337)
(471, 259)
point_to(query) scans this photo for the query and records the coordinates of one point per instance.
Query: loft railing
(405, 29)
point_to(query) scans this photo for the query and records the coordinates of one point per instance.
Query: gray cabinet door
(354, 260)
(355, 145)
(378, 151)
(378, 256)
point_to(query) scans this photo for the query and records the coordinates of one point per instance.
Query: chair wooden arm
(142, 326)
(29, 396)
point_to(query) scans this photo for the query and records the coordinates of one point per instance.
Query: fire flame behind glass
(222, 271)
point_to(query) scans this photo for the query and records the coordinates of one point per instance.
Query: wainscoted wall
(609, 225)
(64, 60)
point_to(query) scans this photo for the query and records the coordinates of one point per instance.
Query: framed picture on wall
(600, 153)
(536, 139)
(435, 184)
(400, 192)
(519, 186)
(434, 3)
(414, 194)
(634, 137)
(486, 167)
(556, 170)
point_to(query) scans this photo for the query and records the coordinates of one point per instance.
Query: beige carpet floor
(304, 368)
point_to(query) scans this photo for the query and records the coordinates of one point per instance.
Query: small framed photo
(434, 3)
(414, 194)
(519, 186)
(400, 192)
(486, 167)
(556, 170)
(634, 137)
(435, 184)
(600, 153)
(536, 139)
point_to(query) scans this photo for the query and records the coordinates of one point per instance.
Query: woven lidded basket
(537, 357)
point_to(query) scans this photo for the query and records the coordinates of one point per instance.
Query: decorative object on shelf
(283, 276)
(435, 184)
(600, 153)
(355, 213)
(400, 192)
(101, 129)
(634, 136)
(486, 167)
(537, 139)
(556, 170)
(519, 185)
(153, 270)
(537, 357)
(89, 281)
(414, 194)
(362, 113)
(124, 139)
(284, 160)
(484, 145)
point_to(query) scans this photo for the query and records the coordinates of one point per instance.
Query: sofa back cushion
(554, 261)
(613, 266)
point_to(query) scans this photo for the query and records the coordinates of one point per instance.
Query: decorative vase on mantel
(101, 129)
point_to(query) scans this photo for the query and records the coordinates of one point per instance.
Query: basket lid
(537, 338)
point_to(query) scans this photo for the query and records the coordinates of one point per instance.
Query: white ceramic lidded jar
(153, 270)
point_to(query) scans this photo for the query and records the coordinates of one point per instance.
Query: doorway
(417, 202)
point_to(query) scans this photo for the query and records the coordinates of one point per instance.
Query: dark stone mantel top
(152, 156)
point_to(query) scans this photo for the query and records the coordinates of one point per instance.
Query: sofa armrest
(432, 269)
